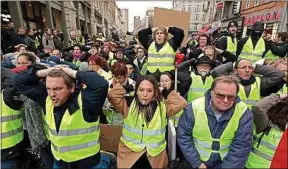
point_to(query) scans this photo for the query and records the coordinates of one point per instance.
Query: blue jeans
(104, 163)
(11, 163)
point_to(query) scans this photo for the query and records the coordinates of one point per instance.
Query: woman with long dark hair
(144, 122)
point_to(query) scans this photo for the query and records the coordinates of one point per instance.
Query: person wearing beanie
(229, 42)
(253, 47)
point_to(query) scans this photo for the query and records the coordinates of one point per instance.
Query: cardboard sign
(110, 137)
(169, 17)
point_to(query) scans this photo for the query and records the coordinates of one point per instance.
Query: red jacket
(179, 58)
(19, 69)
(280, 156)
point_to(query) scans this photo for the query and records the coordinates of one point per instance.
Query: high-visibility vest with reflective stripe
(263, 151)
(270, 55)
(283, 89)
(76, 138)
(201, 133)
(197, 88)
(253, 54)
(254, 94)
(176, 118)
(136, 135)
(143, 71)
(163, 59)
(231, 47)
(11, 126)
(106, 75)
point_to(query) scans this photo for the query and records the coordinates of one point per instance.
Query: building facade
(146, 22)
(272, 13)
(91, 17)
(201, 13)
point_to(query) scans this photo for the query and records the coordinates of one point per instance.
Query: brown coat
(125, 156)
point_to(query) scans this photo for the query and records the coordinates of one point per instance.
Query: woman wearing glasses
(252, 86)
(215, 131)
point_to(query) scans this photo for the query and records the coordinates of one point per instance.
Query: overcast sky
(138, 8)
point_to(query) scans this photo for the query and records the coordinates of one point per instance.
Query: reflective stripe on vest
(76, 138)
(65, 149)
(197, 88)
(254, 94)
(263, 151)
(11, 126)
(270, 55)
(136, 135)
(164, 59)
(176, 118)
(201, 133)
(253, 54)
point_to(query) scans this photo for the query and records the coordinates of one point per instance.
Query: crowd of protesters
(227, 99)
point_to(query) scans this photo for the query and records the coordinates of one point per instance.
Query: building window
(197, 9)
(256, 3)
(189, 8)
(247, 3)
(204, 18)
(196, 17)
(183, 8)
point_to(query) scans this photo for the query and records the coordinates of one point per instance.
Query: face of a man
(145, 92)
(140, 53)
(55, 33)
(48, 32)
(165, 81)
(58, 90)
(21, 31)
(130, 69)
(232, 29)
(210, 53)
(223, 96)
(160, 37)
(56, 53)
(244, 69)
(203, 68)
(119, 55)
(76, 49)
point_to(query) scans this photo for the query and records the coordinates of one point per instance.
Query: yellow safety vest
(253, 54)
(163, 59)
(201, 133)
(197, 88)
(263, 151)
(269, 55)
(137, 136)
(106, 75)
(254, 94)
(143, 71)
(231, 47)
(76, 138)
(11, 126)
(283, 90)
(176, 118)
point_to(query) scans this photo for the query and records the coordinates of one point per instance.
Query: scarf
(247, 82)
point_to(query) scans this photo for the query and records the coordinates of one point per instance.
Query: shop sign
(220, 5)
(266, 17)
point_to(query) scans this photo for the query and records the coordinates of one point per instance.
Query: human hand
(202, 165)
(72, 73)
(283, 96)
(161, 89)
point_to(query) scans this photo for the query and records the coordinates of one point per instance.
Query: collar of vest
(248, 82)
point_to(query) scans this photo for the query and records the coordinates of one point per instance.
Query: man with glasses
(252, 87)
(215, 131)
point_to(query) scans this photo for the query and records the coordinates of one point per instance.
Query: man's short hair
(225, 79)
(69, 81)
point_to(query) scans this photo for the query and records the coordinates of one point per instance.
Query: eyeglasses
(222, 96)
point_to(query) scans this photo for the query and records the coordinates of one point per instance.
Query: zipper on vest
(142, 133)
